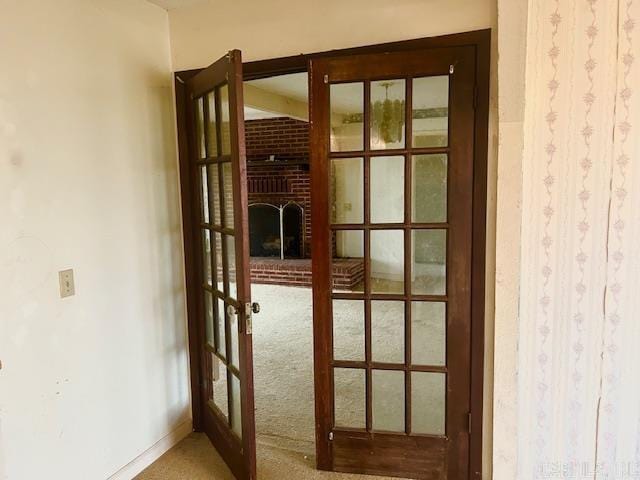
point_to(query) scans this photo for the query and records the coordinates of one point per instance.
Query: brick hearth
(347, 272)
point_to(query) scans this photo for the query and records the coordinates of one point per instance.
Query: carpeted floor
(194, 458)
(283, 380)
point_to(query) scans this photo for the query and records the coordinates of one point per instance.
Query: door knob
(255, 307)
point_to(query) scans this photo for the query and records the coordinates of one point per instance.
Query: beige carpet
(195, 459)
(283, 366)
(283, 380)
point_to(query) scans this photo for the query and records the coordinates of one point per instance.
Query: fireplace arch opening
(276, 230)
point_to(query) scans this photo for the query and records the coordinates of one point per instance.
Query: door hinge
(248, 329)
(452, 68)
(475, 96)
(469, 422)
(326, 79)
(330, 436)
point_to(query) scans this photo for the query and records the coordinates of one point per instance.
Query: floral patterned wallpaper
(579, 333)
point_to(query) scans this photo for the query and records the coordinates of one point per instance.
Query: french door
(392, 148)
(220, 231)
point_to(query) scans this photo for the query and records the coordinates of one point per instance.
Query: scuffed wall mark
(59, 385)
(16, 158)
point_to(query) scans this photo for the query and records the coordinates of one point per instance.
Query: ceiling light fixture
(387, 117)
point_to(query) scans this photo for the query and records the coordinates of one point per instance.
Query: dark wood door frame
(481, 41)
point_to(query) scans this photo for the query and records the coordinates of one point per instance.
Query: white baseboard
(146, 458)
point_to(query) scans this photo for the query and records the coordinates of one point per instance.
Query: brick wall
(286, 138)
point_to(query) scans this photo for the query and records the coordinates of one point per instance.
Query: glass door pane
(428, 400)
(430, 111)
(204, 191)
(387, 331)
(200, 140)
(350, 397)
(429, 188)
(214, 194)
(347, 115)
(387, 189)
(212, 128)
(387, 114)
(225, 119)
(348, 330)
(388, 400)
(429, 265)
(428, 333)
(387, 261)
(347, 190)
(220, 393)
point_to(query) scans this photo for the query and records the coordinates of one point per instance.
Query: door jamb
(481, 40)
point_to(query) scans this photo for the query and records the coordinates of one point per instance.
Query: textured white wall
(88, 181)
(567, 400)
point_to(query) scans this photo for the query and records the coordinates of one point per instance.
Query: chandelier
(387, 117)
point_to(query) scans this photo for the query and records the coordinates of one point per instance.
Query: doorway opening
(276, 112)
(397, 253)
(280, 237)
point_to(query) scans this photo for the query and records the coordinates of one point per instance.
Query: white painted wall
(88, 181)
(512, 40)
(202, 33)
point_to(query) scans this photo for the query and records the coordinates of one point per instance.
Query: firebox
(276, 230)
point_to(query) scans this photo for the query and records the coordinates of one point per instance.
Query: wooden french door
(392, 142)
(220, 230)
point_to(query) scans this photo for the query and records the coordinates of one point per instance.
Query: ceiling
(291, 86)
(175, 4)
(255, 114)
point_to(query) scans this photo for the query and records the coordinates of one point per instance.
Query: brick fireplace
(278, 176)
(284, 179)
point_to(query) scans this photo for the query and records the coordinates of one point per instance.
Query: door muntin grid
(218, 271)
(396, 226)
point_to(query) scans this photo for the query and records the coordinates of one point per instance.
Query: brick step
(347, 272)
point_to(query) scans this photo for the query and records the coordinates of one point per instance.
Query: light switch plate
(67, 286)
